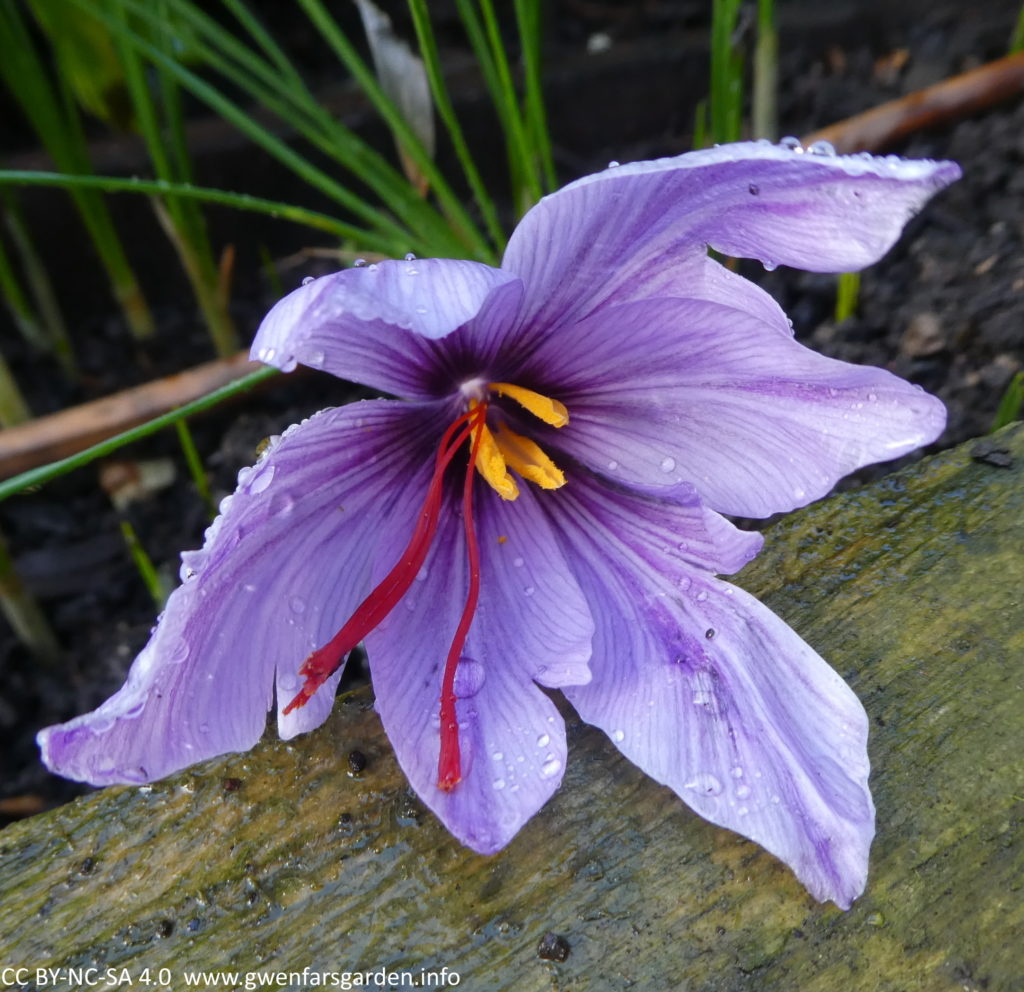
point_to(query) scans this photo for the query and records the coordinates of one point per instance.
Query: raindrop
(359, 263)
(287, 682)
(668, 464)
(775, 800)
(742, 811)
(105, 765)
(872, 397)
(281, 503)
(412, 271)
(469, 677)
(822, 148)
(613, 164)
(710, 633)
(308, 279)
(410, 257)
(742, 791)
(316, 359)
(737, 772)
(204, 728)
(517, 562)
(135, 712)
(422, 574)
(543, 740)
(499, 784)
(186, 572)
(102, 724)
(770, 266)
(421, 310)
(373, 267)
(707, 785)
(529, 591)
(793, 144)
(753, 189)
(618, 736)
(498, 756)
(262, 480)
(297, 604)
(266, 354)
(551, 767)
(612, 466)
(179, 653)
(701, 596)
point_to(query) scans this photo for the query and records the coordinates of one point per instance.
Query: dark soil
(945, 309)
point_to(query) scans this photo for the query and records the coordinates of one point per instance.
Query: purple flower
(542, 509)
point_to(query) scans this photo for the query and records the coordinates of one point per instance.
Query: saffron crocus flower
(542, 509)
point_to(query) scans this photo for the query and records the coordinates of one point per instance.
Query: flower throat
(491, 454)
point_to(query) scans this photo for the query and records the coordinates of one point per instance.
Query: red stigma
(326, 660)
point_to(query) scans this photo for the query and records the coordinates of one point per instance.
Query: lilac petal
(688, 390)
(532, 626)
(283, 566)
(611, 237)
(379, 324)
(710, 693)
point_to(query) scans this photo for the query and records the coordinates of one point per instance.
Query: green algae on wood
(283, 858)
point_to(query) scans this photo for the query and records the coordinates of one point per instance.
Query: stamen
(491, 465)
(325, 661)
(543, 407)
(528, 459)
(449, 762)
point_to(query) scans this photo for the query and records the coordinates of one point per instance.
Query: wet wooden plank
(281, 859)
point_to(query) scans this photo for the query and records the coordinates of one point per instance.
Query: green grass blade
(446, 111)
(147, 570)
(1012, 403)
(364, 76)
(847, 291)
(225, 198)
(45, 473)
(764, 106)
(528, 20)
(195, 466)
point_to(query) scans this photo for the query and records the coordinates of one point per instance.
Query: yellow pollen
(528, 459)
(544, 408)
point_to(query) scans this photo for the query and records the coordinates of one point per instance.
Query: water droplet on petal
(101, 724)
(499, 784)
(551, 767)
(260, 483)
(316, 359)
(612, 466)
(105, 764)
(706, 785)
(421, 310)
(308, 279)
(618, 736)
(298, 604)
(668, 464)
(821, 148)
(702, 596)
(543, 740)
(498, 756)
(204, 728)
(422, 574)
(517, 562)
(769, 266)
(373, 267)
(793, 144)
(742, 811)
(410, 257)
(179, 653)
(469, 678)
(742, 791)
(753, 189)
(737, 772)
(529, 591)
(359, 263)
(613, 164)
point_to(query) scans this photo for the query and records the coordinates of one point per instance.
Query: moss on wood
(284, 858)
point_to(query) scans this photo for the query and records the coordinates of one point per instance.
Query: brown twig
(949, 100)
(61, 434)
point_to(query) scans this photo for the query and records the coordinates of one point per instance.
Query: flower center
(492, 454)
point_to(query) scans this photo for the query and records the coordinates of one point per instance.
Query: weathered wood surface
(280, 859)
